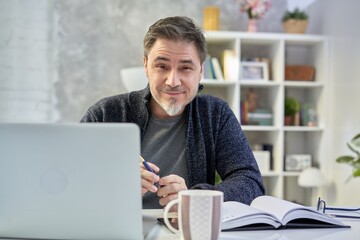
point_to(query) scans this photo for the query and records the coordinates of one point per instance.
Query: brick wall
(25, 61)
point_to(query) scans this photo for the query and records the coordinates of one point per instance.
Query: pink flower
(255, 8)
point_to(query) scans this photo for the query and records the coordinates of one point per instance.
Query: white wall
(339, 21)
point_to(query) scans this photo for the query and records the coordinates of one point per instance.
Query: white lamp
(311, 178)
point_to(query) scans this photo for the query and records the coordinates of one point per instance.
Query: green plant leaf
(355, 144)
(352, 148)
(296, 14)
(357, 137)
(356, 163)
(356, 172)
(345, 159)
(217, 178)
(291, 105)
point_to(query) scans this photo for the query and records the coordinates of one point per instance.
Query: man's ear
(145, 61)
(201, 70)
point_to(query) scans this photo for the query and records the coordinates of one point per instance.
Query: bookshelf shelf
(271, 174)
(259, 128)
(299, 84)
(259, 83)
(303, 129)
(212, 82)
(278, 50)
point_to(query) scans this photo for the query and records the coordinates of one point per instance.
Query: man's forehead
(168, 59)
(164, 49)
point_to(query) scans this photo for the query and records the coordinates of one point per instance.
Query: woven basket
(295, 26)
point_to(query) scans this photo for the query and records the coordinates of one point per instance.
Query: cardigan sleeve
(235, 162)
(89, 117)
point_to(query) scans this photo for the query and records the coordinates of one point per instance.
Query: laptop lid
(70, 181)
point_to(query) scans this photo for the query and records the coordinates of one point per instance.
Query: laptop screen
(70, 181)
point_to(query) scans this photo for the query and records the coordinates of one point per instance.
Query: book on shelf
(262, 117)
(229, 65)
(217, 69)
(209, 72)
(267, 212)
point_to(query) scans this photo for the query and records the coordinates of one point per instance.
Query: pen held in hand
(147, 166)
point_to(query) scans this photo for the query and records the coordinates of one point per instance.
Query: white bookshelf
(280, 49)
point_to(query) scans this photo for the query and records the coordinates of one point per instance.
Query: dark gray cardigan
(214, 140)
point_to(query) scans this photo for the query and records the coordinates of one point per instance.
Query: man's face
(174, 71)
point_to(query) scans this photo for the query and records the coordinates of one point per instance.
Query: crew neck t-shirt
(164, 145)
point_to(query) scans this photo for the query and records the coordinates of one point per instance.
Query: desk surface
(155, 231)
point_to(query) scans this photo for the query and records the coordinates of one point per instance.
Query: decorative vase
(252, 25)
(211, 18)
(289, 120)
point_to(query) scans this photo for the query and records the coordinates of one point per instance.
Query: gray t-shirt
(164, 145)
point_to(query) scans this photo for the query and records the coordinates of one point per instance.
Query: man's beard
(171, 108)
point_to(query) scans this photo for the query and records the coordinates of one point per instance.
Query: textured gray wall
(95, 39)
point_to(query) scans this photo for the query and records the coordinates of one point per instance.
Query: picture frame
(254, 71)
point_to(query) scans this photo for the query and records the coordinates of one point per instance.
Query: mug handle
(166, 219)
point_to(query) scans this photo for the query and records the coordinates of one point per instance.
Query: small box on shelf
(299, 73)
(263, 160)
(297, 162)
(263, 154)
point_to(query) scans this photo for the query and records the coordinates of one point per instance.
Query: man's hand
(148, 179)
(170, 186)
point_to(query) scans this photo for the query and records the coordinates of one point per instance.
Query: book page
(236, 214)
(286, 211)
(278, 207)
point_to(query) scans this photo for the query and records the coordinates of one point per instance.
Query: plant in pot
(295, 21)
(353, 161)
(292, 106)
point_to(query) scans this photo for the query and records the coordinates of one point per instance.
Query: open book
(266, 212)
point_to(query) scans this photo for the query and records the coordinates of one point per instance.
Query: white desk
(156, 231)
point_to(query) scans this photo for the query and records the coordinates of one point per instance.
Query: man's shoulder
(210, 101)
(117, 108)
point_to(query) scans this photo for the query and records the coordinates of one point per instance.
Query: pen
(146, 165)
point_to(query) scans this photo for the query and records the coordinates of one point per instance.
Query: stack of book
(259, 117)
(212, 69)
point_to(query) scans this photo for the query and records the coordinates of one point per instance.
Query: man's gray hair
(176, 28)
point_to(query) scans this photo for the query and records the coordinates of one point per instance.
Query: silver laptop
(70, 181)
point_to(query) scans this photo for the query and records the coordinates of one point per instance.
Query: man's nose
(173, 79)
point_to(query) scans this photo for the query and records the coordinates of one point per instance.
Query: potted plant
(292, 107)
(353, 161)
(295, 21)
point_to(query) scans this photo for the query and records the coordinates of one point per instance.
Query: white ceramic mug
(199, 214)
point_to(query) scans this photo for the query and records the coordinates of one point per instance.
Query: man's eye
(161, 66)
(187, 68)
